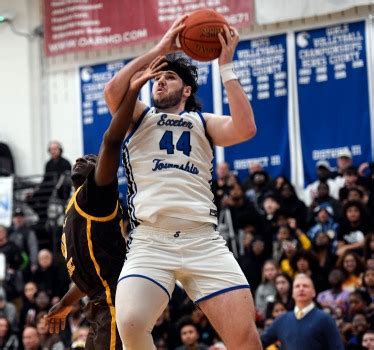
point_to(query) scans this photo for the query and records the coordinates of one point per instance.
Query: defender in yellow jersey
(92, 241)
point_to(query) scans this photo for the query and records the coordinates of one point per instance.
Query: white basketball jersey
(168, 161)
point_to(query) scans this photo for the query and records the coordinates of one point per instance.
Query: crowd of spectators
(325, 231)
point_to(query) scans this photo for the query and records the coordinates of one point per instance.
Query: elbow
(108, 91)
(249, 132)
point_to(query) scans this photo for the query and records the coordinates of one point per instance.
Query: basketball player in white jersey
(168, 157)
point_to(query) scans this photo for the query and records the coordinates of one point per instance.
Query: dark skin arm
(109, 154)
(56, 316)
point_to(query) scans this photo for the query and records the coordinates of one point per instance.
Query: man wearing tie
(306, 327)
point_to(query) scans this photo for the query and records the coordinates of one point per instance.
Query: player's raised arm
(117, 87)
(109, 154)
(226, 130)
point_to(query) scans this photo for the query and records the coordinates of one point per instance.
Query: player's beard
(168, 101)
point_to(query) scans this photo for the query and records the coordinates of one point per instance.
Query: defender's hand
(56, 317)
(150, 72)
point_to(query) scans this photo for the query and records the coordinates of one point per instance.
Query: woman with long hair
(352, 266)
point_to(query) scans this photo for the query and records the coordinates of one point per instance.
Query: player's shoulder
(140, 110)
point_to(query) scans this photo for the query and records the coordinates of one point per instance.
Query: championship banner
(261, 65)
(272, 11)
(78, 25)
(205, 91)
(6, 200)
(333, 94)
(95, 113)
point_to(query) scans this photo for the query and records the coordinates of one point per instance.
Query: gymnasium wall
(54, 109)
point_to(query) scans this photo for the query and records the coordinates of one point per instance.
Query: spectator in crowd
(322, 248)
(47, 341)
(323, 170)
(56, 182)
(292, 205)
(8, 309)
(283, 294)
(306, 327)
(368, 340)
(8, 339)
(359, 194)
(335, 296)
(220, 188)
(218, 346)
(30, 339)
(358, 302)
(343, 161)
(356, 330)
(324, 217)
(24, 237)
(353, 228)
(252, 168)
(242, 211)
(189, 336)
(29, 308)
(368, 282)
(266, 290)
(79, 337)
(290, 238)
(13, 262)
(277, 309)
(49, 276)
(253, 259)
(304, 262)
(260, 185)
(42, 301)
(271, 207)
(352, 267)
(369, 246)
(323, 197)
(351, 181)
(278, 182)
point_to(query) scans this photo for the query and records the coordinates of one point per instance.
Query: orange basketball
(199, 38)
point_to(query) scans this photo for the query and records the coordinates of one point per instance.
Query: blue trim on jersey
(221, 292)
(149, 279)
(137, 124)
(131, 188)
(202, 119)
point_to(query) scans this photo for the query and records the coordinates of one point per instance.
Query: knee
(131, 326)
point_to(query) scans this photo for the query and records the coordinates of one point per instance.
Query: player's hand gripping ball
(199, 38)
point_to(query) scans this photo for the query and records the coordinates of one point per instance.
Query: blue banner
(261, 65)
(333, 100)
(205, 91)
(95, 113)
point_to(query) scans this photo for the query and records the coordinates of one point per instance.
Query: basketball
(199, 38)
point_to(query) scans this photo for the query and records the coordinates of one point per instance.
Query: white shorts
(198, 258)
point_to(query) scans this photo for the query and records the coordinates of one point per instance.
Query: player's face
(168, 90)
(81, 169)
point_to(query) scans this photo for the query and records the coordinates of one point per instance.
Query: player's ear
(187, 91)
